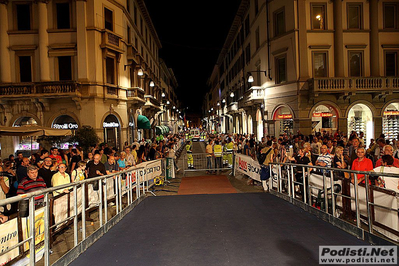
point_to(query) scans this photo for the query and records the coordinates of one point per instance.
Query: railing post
(289, 171)
(369, 214)
(332, 193)
(116, 181)
(357, 201)
(325, 191)
(32, 234)
(84, 210)
(75, 219)
(100, 206)
(120, 191)
(106, 202)
(47, 234)
(305, 189)
(280, 179)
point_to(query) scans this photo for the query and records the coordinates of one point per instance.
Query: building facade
(68, 63)
(314, 65)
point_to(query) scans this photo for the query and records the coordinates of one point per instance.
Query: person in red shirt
(361, 164)
(55, 155)
(388, 150)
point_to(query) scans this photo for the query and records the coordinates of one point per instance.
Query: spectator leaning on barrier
(388, 150)
(361, 164)
(22, 169)
(111, 166)
(324, 158)
(47, 171)
(31, 183)
(4, 189)
(60, 178)
(79, 173)
(387, 167)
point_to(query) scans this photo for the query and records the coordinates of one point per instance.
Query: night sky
(192, 34)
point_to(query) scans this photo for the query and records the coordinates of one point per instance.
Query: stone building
(310, 66)
(68, 63)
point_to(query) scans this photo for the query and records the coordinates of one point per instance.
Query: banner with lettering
(8, 238)
(246, 165)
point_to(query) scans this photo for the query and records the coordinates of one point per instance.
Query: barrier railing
(370, 207)
(204, 162)
(29, 234)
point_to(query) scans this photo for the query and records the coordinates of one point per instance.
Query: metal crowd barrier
(126, 188)
(374, 209)
(204, 162)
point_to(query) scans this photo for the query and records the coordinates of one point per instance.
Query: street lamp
(140, 72)
(218, 104)
(163, 95)
(152, 84)
(174, 107)
(167, 102)
(224, 101)
(232, 94)
(251, 78)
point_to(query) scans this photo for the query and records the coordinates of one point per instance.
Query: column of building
(81, 38)
(43, 42)
(5, 68)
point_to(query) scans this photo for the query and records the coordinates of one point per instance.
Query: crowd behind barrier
(121, 188)
(62, 185)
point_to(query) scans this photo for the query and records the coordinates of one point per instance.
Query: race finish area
(226, 229)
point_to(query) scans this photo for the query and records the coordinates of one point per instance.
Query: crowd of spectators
(321, 149)
(56, 167)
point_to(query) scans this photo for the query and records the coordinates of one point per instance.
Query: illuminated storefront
(111, 128)
(360, 119)
(283, 121)
(391, 121)
(324, 118)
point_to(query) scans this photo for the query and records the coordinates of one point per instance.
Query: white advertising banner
(246, 165)
(8, 238)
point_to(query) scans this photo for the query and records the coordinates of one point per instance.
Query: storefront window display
(324, 118)
(391, 121)
(283, 121)
(111, 127)
(26, 143)
(360, 119)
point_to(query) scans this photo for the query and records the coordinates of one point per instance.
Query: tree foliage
(86, 137)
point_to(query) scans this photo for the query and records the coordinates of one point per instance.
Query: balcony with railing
(232, 108)
(354, 85)
(253, 95)
(111, 41)
(42, 89)
(135, 94)
(152, 102)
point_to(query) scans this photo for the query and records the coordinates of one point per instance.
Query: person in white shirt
(390, 183)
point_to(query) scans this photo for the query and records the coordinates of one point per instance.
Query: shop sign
(26, 147)
(65, 126)
(131, 124)
(322, 114)
(110, 124)
(391, 113)
(284, 116)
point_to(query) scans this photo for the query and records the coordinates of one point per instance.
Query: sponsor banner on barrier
(246, 165)
(151, 170)
(8, 238)
(39, 232)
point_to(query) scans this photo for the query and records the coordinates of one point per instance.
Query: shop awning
(161, 130)
(143, 122)
(34, 131)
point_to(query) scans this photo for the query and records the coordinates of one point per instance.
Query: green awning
(161, 130)
(158, 130)
(143, 122)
